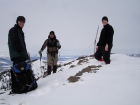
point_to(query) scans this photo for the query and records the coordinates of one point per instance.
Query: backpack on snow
(22, 78)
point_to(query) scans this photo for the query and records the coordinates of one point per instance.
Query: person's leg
(55, 63)
(50, 63)
(98, 53)
(54, 68)
(106, 55)
(49, 70)
(13, 77)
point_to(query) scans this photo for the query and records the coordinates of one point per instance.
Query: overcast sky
(75, 23)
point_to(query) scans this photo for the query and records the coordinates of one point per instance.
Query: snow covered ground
(115, 84)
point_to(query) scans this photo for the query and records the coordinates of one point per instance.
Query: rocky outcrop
(89, 69)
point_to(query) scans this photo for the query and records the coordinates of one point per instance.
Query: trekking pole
(29, 58)
(30, 62)
(59, 53)
(95, 39)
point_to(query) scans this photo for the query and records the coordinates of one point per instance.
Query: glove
(58, 45)
(40, 52)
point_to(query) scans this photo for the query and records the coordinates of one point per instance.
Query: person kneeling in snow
(105, 43)
(53, 46)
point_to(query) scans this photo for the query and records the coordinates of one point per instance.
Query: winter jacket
(16, 43)
(52, 45)
(106, 36)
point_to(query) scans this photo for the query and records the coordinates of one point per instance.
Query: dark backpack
(23, 79)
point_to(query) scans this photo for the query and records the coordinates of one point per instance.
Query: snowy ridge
(135, 55)
(5, 61)
(113, 84)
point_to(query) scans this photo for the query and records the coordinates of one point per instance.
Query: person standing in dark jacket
(53, 45)
(17, 46)
(16, 42)
(105, 42)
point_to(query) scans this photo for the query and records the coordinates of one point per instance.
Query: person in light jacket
(53, 45)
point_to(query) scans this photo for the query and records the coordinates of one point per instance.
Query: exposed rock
(79, 73)
(93, 66)
(59, 65)
(99, 66)
(82, 57)
(72, 66)
(87, 69)
(85, 60)
(67, 63)
(73, 79)
(73, 61)
(92, 56)
(80, 61)
(42, 67)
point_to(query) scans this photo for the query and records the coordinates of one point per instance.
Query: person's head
(20, 21)
(52, 34)
(105, 20)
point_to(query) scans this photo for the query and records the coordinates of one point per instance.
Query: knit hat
(20, 18)
(52, 32)
(105, 18)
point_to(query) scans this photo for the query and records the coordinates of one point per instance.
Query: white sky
(110, 85)
(75, 23)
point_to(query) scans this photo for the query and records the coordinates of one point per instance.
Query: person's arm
(13, 34)
(109, 37)
(58, 44)
(44, 45)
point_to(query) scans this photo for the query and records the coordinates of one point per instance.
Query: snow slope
(115, 84)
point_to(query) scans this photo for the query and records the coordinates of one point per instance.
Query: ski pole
(95, 39)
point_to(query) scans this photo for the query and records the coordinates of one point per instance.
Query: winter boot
(49, 70)
(54, 68)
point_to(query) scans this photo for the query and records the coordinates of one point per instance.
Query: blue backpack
(23, 79)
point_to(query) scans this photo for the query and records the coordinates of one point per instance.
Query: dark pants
(101, 52)
(18, 60)
(15, 61)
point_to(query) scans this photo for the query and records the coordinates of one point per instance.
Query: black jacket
(16, 43)
(106, 36)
